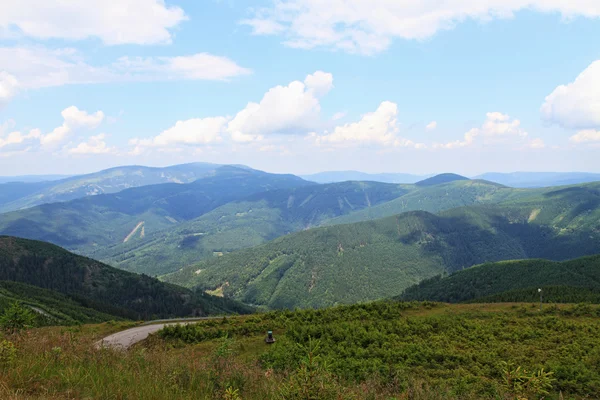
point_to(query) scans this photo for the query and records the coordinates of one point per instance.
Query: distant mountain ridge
(29, 194)
(343, 176)
(85, 224)
(540, 179)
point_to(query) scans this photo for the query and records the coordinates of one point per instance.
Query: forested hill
(561, 282)
(245, 223)
(85, 224)
(375, 259)
(98, 286)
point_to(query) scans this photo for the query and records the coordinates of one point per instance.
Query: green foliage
(523, 384)
(516, 281)
(16, 318)
(90, 284)
(8, 354)
(312, 380)
(466, 349)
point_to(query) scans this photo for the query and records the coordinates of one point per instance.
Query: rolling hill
(568, 281)
(86, 224)
(245, 223)
(375, 259)
(26, 194)
(436, 198)
(91, 284)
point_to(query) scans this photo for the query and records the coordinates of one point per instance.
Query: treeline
(571, 281)
(101, 287)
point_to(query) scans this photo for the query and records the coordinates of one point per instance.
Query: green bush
(16, 318)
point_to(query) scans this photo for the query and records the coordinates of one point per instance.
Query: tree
(16, 318)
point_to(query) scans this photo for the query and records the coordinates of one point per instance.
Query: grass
(452, 352)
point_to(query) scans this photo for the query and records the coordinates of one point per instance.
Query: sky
(300, 86)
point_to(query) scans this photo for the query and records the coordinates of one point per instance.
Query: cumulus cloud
(73, 119)
(113, 22)
(16, 138)
(431, 126)
(369, 26)
(38, 67)
(577, 104)
(94, 145)
(291, 109)
(585, 136)
(498, 128)
(376, 128)
(8, 87)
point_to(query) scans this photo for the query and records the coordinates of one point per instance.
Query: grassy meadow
(382, 350)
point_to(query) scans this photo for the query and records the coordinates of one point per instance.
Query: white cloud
(292, 109)
(17, 138)
(113, 22)
(74, 119)
(585, 136)
(197, 131)
(95, 145)
(8, 87)
(38, 67)
(202, 66)
(369, 26)
(577, 104)
(379, 128)
(498, 128)
(431, 126)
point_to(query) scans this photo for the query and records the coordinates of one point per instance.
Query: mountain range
(280, 241)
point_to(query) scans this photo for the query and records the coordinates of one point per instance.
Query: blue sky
(301, 86)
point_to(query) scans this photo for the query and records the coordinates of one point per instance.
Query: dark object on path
(270, 339)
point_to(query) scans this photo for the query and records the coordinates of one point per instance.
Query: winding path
(127, 338)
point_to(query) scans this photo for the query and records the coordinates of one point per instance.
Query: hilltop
(441, 178)
(91, 284)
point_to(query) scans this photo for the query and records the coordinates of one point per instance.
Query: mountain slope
(98, 286)
(370, 260)
(436, 198)
(343, 176)
(50, 307)
(107, 181)
(86, 224)
(249, 222)
(484, 281)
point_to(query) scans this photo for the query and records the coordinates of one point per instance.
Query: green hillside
(87, 224)
(50, 307)
(375, 259)
(98, 286)
(242, 224)
(25, 194)
(567, 281)
(436, 198)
